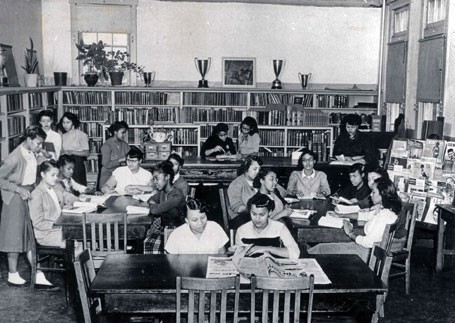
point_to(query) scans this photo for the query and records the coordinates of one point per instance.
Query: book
(346, 209)
(331, 222)
(81, 207)
(131, 209)
(48, 146)
(302, 214)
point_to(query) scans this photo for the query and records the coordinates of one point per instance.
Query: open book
(302, 214)
(346, 209)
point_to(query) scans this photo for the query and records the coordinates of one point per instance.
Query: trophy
(277, 66)
(202, 66)
(304, 78)
(149, 77)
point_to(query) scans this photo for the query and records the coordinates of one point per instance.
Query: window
(436, 11)
(434, 15)
(112, 41)
(400, 21)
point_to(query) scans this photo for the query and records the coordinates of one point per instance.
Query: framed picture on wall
(239, 72)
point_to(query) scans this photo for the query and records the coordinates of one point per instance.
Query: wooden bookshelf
(19, 108)
(288, 118)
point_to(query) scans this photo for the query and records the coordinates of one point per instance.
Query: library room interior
(227, 161)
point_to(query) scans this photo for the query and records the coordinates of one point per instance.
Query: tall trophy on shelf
(203, 66)
(277, 67)
(304, 78)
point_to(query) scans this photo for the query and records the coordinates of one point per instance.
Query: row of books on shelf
(332, 101)
(147, 98)
(290, 116)
(94, 145)
(14, 103)
(87, 97)
(215, 98)
(271, 137)
(16, 125)
(146, 116)
(188, 136)
(91, 113)
(35, 100)
(303, 138)
(263, 99)
(195, 114)
(92, 129)
(367, 119)
(321, 149)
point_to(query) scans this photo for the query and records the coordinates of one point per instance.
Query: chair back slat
(108, 237)
(380, 262)
(103, 240)
(410, 226)
(197, 288)
(224, 207)
(282, 287)
(387, 236)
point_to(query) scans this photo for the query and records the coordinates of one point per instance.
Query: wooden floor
(432, 298)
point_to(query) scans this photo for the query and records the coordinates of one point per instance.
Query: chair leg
(408, 275)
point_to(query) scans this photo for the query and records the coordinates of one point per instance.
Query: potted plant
(117, 63)
(31, 66)
(94, 56)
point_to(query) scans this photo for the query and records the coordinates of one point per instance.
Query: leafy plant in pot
(94, 56)
(31, 66)
(117, 63)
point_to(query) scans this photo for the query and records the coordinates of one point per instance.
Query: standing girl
(17, 180)
(75, 144)
(249, 139)
(113, 151)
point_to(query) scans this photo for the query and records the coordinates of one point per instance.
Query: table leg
(69, 273)
(440, 243)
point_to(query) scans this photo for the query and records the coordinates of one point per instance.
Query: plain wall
(337, 45)
(20, 20)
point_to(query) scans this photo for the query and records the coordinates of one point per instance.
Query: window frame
(436, 27)
(396, 8)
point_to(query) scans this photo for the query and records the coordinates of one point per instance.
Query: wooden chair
(55, 257)
(286, 287)
(224, 200)
(380, 263)
(104, 230)
(402, 259)
(387, 236)
(199, 286)
(85, 274)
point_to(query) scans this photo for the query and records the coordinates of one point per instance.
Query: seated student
(218, 143)
(46, 206)
(165, 206)
(179, 181)
(241, 189)
(130, 179)
(267, 235)
(65, 177)
(353, 144)
(306, 181)
(358, 191)
(197, 235)
(386, 198)
(45, 118)
(266, 181)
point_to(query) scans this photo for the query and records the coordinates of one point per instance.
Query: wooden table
(197, 169)
(308, 230)
(446, 234)
(71, 225)
(138, 284)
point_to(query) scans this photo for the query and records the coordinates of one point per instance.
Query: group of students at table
(256, 200)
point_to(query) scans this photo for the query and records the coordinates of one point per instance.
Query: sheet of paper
(291, 200)
(143, 197)
(219, 267)
(309, 266)
(80, 209)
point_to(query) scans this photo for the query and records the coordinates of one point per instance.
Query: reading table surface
(146, 283)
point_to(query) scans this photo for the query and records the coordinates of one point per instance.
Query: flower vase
(91, 78)
(116, 78)
(31, 80)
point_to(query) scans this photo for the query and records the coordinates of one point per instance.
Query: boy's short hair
(46, 113)
(135, 153)
(165, 168)
(357, 167)
(65, 159)
(176, 157)
(352, 119)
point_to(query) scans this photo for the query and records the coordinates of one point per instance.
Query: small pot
(116, 78)
(91, 78)
(31, 80)
(60, 78)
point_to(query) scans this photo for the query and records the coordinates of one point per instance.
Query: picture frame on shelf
(239, 72)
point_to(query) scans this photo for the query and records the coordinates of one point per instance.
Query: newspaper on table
(219, 267)
(302, 214)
